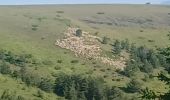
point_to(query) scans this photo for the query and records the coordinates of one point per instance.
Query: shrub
(46, 85)
(34, 25)
(59, 61)
(134, 86)
(105, 76)
(5, 68)
(79, 32)
(102, 70)
(100, 13)
(74, 61)
(34, 28)
(60, 12)
(57, 67)
(151, 40)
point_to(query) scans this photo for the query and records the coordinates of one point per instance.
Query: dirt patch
(87, 46)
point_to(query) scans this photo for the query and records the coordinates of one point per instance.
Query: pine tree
(148, 94)
(147, 67)
(134, 86)
(117, 47)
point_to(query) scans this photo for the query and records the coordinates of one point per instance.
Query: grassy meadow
(33, 29)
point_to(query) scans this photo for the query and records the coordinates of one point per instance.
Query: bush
(5, 68)
(134, 86)
(60, 12)
(57, 68)
(151, 40)
(34, 28)
(100, 13)
(46, 85)
(74, 61)
(79, 32)
(59, 61)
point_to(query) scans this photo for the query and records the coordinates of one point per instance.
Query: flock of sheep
(86, 46)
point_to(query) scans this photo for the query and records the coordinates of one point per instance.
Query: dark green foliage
(78, 87)
(60, 12)
(134, 86)
(5, 68)
(16, 74)
(59, 61)
(74, 61)
(147, 67)
(168, 36)
(164, 78)
(117, 47)
(79, 32)
(125, 44)
(131, 68)
(100, 13)
(166, 53)
(113, 93)
(18, 60)
(143, 58)
(34, 27)
(148, 94)
(31, 79)
(46, 85)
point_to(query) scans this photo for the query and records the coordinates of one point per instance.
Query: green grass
(16, 35)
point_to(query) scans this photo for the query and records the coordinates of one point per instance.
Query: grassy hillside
(34, 30)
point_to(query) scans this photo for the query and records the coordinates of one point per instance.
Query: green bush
(74, 61)
(79, 32)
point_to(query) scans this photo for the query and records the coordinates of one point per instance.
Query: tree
(131, 68)
(113, 93)
(134, 86)
(117, 47)
(147, 67)
(46, 85)
(148, 94)
(76, 86)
